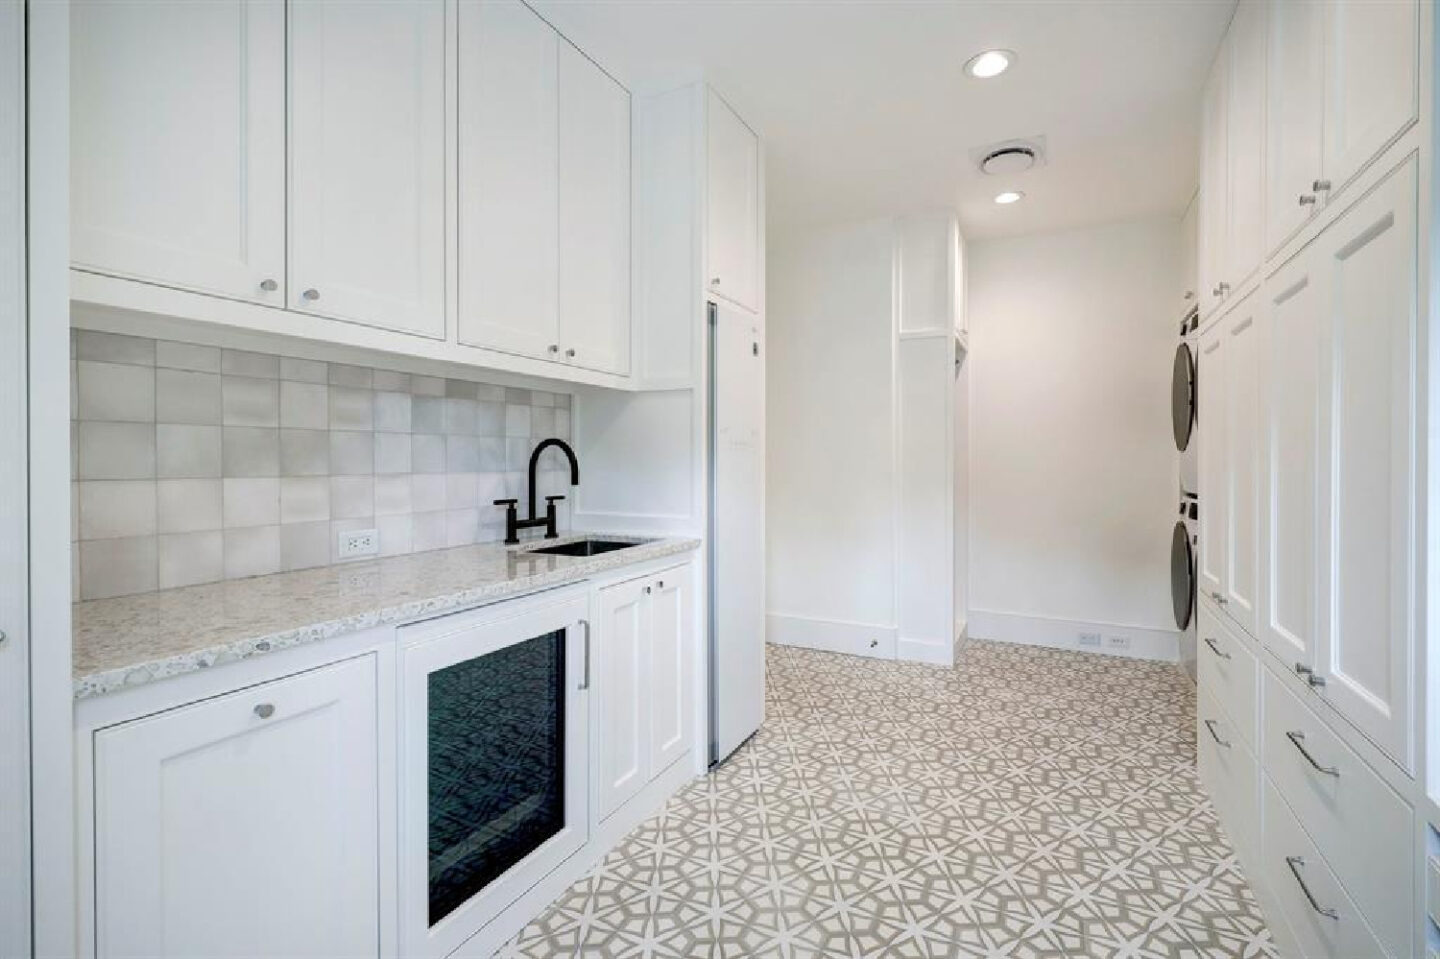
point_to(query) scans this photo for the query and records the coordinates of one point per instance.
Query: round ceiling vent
(1008, 160)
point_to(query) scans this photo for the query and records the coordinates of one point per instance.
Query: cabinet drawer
(1228, 670)
(1324, 920)
(1362, 828)
(1229, 772)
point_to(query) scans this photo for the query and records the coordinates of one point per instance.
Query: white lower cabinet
(245, 825)
(643, 650)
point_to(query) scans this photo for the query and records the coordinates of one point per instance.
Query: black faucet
(513, 523)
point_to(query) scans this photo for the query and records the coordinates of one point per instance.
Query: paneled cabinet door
(1241, 437)
(367, 176)
(1290, 439)
(1369, 428)
(1214, 203)
(1245, 143)
(508, 179)
(670, 653)
(733, 206)
(621, 694)
(245, 825)
(1293, 124)
(178, 144)
(1370, 88)
(1211, 420)
(594, 216)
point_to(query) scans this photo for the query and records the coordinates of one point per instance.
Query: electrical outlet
(1090, 639)
(359, 542)
(1117, 642)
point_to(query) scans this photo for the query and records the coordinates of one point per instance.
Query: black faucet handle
(553, 499)
(507, 502)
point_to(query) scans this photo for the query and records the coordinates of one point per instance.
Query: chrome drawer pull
(1295, 862)
(1298, 738)
(1215, 648)
(585, 683)
(1210, 725)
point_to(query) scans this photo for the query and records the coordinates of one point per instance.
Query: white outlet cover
(1089, 639)
(358, 542)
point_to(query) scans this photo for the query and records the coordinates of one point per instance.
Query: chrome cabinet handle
(1210, 725)
(1189, 295)
(1307, 199)
(1224, 287)
(269, 286)
(554, 348)
(585, 681)
(1311, 677)
(570, 353)
(1215, 648)
(1320, 186)
(1218, 597)
(1295, 862)
(660, 584)
(1298, 738)
(714, 281)
(311, 294)
(265, 710)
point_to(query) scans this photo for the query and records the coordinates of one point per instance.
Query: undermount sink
(584, 547)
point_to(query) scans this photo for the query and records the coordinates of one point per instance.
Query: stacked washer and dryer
(1185, 536)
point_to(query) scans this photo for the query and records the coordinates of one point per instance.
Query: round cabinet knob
(554, 348)
(1189, 295)
(1307, 199)
(1320, 186)
(311, 294)
(570, 353)
(660, 585)
(269, 286)
(714, 281)
(265, 710)
(1224, 287)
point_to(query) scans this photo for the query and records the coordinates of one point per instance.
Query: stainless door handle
(1210, 725)
(1215, 648)
(1298, 738)
(1295, 862)
(585, 682)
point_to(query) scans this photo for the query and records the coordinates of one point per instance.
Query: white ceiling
(866, 111)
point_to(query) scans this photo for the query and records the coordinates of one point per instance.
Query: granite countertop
(132, 640)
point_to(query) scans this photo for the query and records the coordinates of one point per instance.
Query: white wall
(1072, 466)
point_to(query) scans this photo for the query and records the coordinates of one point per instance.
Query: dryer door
(1182, 396)
(1182, 575)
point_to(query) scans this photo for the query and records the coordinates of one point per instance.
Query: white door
(1211, 421)
(737, 530)
(1245, 142)
(622, 694)
(594, 256)
(1214, 194)
(245, 825)
(669, 668)
(508, 179)
(177, 152)
(14, 581)
(1242, 461)
(733, 206)
(1293, 125)
(367, 162)
(1290, 502)
(1371, 50)
(1369, 427)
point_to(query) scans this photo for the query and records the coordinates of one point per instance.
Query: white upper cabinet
(1296, 70)
(1245, 144)
(178, 144)
(1214, 203)
(367, 175)
(508, 179)
(732, 207)
(1370, 88)
(1211, 420)
(594, 253)
(1242, 461)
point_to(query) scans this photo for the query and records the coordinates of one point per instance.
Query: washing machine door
(1182, 575)
(1182, 396)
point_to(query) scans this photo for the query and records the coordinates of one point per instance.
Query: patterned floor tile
(1024, 803)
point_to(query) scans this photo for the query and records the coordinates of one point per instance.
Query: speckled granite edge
(91, 618)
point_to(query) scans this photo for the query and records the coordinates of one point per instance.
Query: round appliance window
(1182, 575)
(1182, 396)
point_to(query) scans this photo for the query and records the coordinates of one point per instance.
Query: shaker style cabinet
(1214, 214)
(367, 162)
(732, 239)
(248, 822)
(177, 162)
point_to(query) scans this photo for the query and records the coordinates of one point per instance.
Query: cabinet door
(1293, 137)
(178, 143)
(245, 825)
(669, 669)
(621, 696)
(1245, 143)
(1211, 421)
(1371, 50)
(1290, 504)
(1214, 204)
(1369, 300)
(733, 206)
(508, 179)
(367, 176)
(1242, 460)
(594, 216)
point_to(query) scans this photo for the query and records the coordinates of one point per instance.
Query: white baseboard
(925, 651)
(857, 639)
(1162, 645)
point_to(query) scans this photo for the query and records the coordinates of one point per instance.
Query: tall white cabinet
(732, 237)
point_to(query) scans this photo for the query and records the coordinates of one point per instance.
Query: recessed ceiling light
(1009, 196)
(991, 63)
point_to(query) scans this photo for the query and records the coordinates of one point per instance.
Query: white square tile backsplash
(196, 464)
